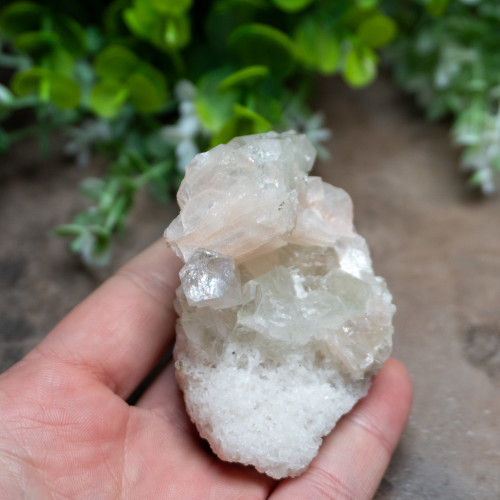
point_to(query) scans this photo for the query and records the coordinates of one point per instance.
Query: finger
(354, 457)
(119, 332)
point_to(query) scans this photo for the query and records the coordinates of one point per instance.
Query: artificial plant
(152, 82)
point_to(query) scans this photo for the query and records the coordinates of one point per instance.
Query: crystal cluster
(282, 321)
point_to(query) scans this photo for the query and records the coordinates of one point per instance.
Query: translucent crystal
(282, 321)
(210, 279)
(240, 199)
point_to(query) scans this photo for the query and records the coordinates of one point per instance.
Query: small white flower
(452, 58)
(185, 91)
(185, 151)
(311, 125)
(483, 149)
(183, 134)
(317, 134)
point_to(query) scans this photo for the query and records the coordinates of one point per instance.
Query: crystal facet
(210, 279)
(282, 321)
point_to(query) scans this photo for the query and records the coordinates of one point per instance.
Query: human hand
(66, 430)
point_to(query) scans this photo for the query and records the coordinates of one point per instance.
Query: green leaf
(176, 7)
(436, 8)
(71, 230)
(176, 33)
(133, 22)
(95, 247)
(37, 43)
(377, 31)
(156, 77)
(26, 21)
(260, 44)
(94, 38)
(28, 82)
(360, 66)
(167, 30)
(107, 97)
(476, 179)
(116, 216)
(235, 127)
(141, 20)
(266, 105)
(160, 180)
(292, 5)
(366, 4)
(20, 17)
(6, 97)
(244, 122)
(227, 15)
(115, 62)
(124, 73)
(317, 46)
(60, 61)
(50, 86)
(64, 92)
(245, 76)
(260, 124)
(495, 163)
(72, 35)
(213, 107)
(144, 94)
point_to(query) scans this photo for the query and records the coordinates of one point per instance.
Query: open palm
(67, 432)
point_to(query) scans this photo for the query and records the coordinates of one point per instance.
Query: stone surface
(439, 250)
(281, 319)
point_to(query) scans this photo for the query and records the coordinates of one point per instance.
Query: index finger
(121, 330)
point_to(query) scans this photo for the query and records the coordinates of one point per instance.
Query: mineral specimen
(281, 319)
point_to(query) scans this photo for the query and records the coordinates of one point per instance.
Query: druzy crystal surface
(282, 321)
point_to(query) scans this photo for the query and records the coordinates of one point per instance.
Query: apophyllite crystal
(281, 319)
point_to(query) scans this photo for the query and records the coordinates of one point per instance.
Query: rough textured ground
(437, 246)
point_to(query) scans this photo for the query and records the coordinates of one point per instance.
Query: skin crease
(66, 431)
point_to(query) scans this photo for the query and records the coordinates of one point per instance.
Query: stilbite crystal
(282, 321)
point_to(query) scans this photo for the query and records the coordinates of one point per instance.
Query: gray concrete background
(437, 246)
